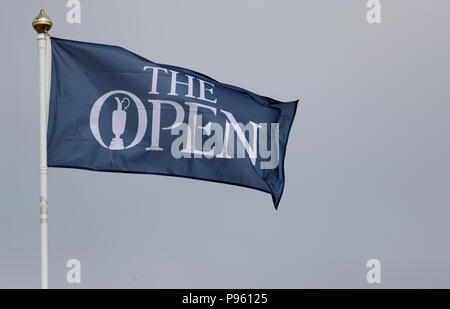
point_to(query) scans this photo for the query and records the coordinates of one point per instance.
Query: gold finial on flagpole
(42, 23)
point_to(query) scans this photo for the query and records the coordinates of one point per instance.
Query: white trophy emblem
(119, 118)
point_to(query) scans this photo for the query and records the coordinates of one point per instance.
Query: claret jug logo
(120, 105)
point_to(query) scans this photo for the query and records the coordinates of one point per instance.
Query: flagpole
(42, 25)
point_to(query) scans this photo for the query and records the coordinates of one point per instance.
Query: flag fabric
(112, 110)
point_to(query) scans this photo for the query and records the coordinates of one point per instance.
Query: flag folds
(112, 110)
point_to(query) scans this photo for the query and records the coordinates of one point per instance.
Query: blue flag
(112, 110)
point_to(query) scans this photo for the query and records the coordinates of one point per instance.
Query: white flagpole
(42, 24)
